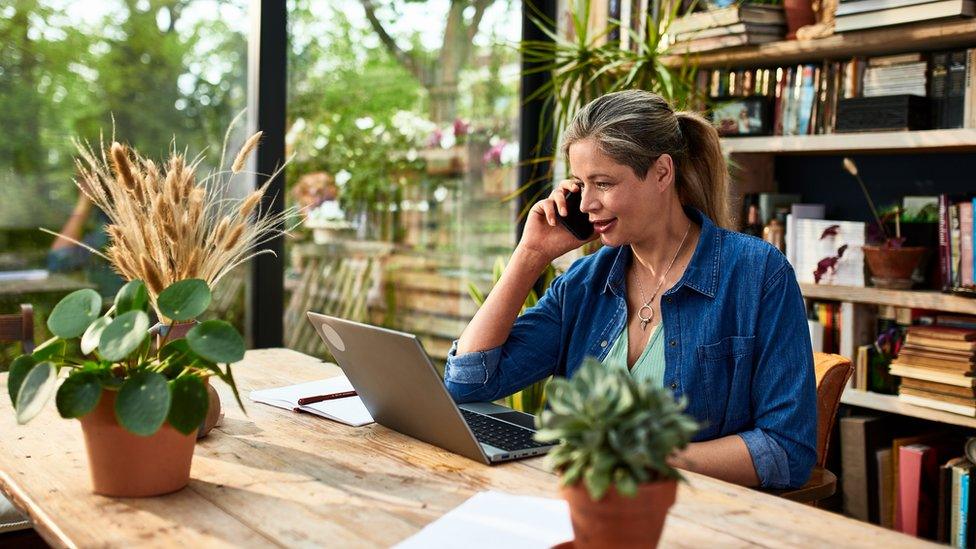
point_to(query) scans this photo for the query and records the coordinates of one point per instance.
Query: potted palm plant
(140, 405)
(615, 437)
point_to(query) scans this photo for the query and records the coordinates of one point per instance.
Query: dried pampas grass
(166, 225)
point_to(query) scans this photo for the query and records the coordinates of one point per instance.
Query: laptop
(397, 382)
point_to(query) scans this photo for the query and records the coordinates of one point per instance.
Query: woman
(714, 315)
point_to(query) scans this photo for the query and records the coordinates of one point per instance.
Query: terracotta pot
(179, 331)
(799, 13)
(126, 465)
(893, 267)
(619, 521)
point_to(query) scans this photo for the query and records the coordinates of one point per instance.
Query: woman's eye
(602, 185)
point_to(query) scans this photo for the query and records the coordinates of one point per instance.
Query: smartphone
(577, 222)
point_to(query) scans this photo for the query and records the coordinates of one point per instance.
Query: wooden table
(277, 478)
(53, 283)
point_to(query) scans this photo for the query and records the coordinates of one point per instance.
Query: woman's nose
(588, 203)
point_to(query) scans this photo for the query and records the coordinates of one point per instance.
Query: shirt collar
(701, 274)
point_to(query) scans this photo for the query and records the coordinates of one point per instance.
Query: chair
(19, 328)
(832, 372)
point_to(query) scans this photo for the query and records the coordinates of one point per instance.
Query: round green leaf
(132, 297)
(184, 300)
(123, 335)
(79, 394)
(189, 405)
(74, 313)
(35, 391)
(18, 371)
(143, 403)
(216, 341)
(89, 341)
(54, 347)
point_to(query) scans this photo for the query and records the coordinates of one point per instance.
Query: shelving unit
(960, 140)
(915, 299)
(890, 403)
(888, 40)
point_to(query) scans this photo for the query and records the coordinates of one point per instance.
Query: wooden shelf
(916, 299)
(888, 40)
(871, 142)
(890, 403)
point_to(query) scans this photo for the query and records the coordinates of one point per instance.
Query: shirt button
(673, 342)
(668, 300)
(674, 384)
(603, 343)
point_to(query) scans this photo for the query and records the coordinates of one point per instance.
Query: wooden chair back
(19, 328)
(832, 372)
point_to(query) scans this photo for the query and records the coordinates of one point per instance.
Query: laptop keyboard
(499, 434)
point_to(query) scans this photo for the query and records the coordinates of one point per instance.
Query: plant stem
(874, 210)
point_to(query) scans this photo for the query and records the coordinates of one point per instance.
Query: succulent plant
(613, 430)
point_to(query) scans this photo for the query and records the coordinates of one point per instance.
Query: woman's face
(620, 205)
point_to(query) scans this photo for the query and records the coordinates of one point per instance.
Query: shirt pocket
(727, 376)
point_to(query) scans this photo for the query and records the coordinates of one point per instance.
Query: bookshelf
(888, 40)
(958, 140)
(890, 403)
(916, 299)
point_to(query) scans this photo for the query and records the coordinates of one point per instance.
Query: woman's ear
(661, 172)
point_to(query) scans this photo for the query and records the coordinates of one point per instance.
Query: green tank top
(649, 367)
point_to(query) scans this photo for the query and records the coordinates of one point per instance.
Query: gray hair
(635, 127)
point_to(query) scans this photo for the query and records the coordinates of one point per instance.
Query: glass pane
(404, 131)
(154, 73)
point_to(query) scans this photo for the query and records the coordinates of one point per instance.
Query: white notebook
(348, 410)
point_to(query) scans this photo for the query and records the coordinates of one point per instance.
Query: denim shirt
(736, 345)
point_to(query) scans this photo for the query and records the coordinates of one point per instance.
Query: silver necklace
(645, 320)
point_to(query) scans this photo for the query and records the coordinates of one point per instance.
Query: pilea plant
(115, 352)
(612, 430)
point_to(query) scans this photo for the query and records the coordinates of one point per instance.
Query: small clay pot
(893, 267)
(798, 13)
(126, 465)
(619, 521)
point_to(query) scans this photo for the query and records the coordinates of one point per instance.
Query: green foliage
(154, 386)
(612, 430)
(588, 66)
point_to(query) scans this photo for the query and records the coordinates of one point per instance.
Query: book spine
(944, 504)
(954, 248)
(966, 243)
(909, 478)
(964, 480)
(938, 71)
(953, 116)
(945, 273)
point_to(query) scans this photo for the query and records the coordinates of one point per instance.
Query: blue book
(961, 539)
(808, 92)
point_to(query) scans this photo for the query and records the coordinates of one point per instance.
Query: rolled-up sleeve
(530, 354)
(783, 441)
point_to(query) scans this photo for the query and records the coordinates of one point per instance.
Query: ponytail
(702, 179)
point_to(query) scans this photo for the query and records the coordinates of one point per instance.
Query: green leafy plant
(587, 65)
(612, 430)
(114, 352)
(531, 398)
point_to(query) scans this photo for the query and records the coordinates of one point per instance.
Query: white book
(861, 6)
(810, 249)
(348, 410)
(935, 376)
(969, 411)
(906, 14)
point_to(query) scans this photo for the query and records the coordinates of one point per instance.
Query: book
(720, 42)
(943, 388)
(861, 6)
(959, 510)
(884, 497)
(918, 469)
(959, 380)
(939, 332)
(953, 408)
(738, 28)
(938, 74)
(966, 245)
(940, 343)
(349, 410)
(896, 445)
(860, 438)
(956, 321)
(965, 400)
(953, 115)
(942, 363)
(905, 14)
(743, 13)
(944, 506)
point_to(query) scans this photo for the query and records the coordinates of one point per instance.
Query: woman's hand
(543, 234)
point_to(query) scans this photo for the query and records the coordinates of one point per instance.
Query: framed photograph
(742, 116)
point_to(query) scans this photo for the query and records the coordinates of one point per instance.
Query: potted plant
(615, 438)
(140, 405)
(891, 263)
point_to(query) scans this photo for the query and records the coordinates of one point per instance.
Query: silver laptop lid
(398, 384)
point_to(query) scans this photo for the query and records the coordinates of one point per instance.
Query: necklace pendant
(644, 324)
(645, 319)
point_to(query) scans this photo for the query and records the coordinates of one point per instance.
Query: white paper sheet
(348, 410)
(496, 519)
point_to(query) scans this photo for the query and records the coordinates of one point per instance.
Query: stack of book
(957, 262)
(895, 75)
(739, 25)
(936, 365)
(868, 14)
